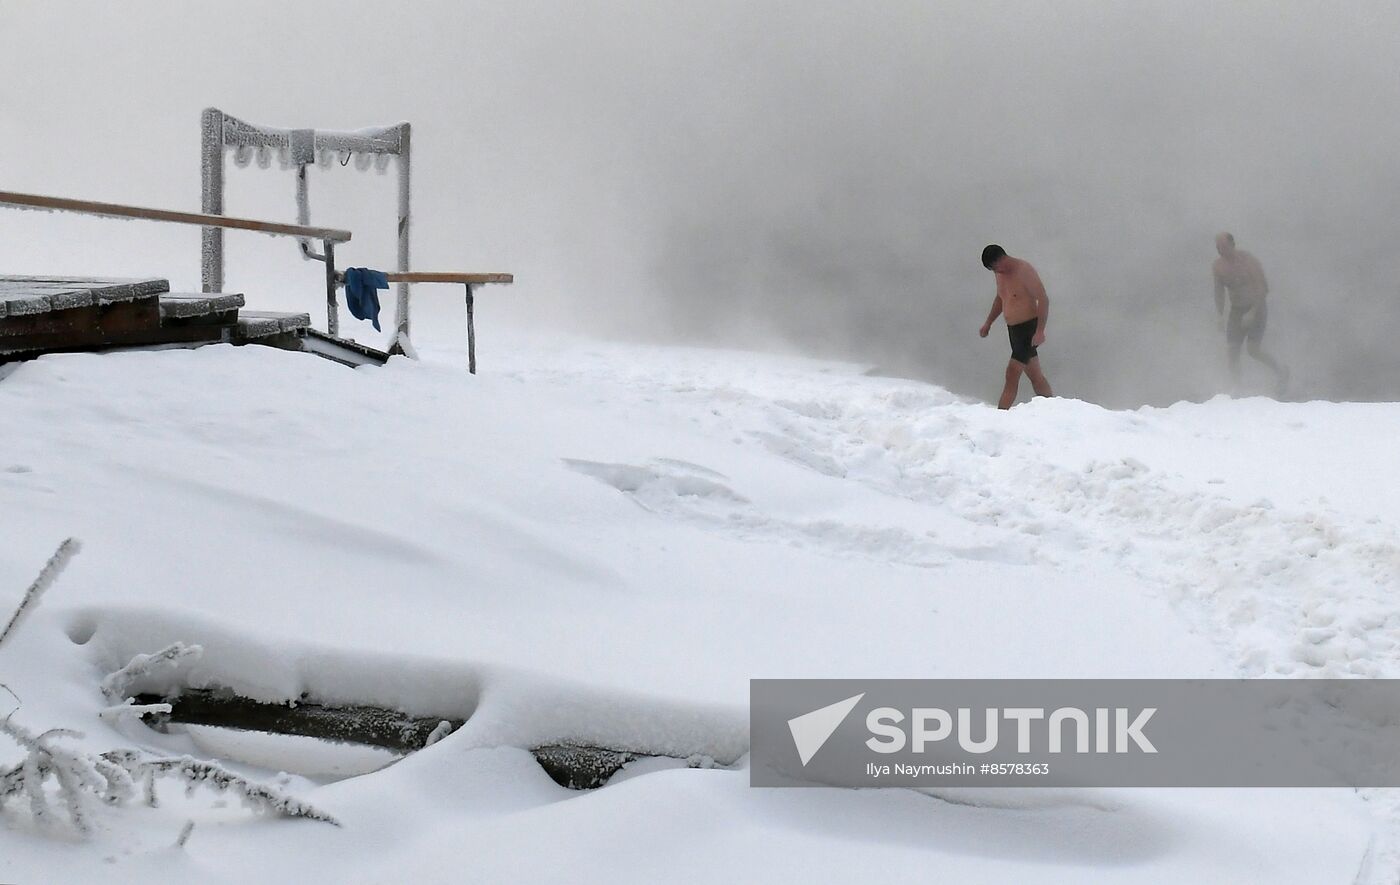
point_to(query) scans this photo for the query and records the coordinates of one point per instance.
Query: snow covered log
(348, 723)
(581, 768)
(573, 767)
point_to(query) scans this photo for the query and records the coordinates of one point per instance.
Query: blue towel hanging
(360, 294)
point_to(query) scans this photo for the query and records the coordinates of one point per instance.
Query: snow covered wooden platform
(56, 314)
(26, 296)
(82, 313)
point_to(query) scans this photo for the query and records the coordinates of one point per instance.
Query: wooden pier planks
(190, 305)
(60, 314)
(261, 323)
(28, 296)
(40, 314)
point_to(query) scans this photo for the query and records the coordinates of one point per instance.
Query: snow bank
(602, 544)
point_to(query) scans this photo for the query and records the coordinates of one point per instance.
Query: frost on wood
(47, 575)
(581, 768)
(117, 686)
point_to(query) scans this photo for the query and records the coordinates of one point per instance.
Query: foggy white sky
(817, 173)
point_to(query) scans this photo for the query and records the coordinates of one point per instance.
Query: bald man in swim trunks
(1022, 300)
(1242, 276)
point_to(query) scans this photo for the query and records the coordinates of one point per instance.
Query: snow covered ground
(604, 542)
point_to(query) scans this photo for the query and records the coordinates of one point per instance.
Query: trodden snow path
(1272, 526)
(604, 542)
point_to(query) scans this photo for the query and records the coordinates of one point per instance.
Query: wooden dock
(40, 315)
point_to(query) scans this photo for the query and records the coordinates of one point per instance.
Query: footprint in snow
(665, 479)
(696, 494)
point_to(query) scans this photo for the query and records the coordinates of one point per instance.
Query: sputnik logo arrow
(811, 730)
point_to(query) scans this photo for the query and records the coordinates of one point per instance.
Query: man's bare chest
(1011, 290)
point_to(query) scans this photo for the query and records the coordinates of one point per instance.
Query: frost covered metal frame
(222, 133)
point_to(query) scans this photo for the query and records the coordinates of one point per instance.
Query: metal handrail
(328, 236)
(422, 276)
(467, 281)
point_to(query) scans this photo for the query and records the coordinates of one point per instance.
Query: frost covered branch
(84, 778)
(194, 772)
(129, 708)
(116, 686)
(81, 777)
(47, 575)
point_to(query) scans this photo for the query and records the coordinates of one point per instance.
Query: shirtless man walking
(1241, 274)
(1021, 297)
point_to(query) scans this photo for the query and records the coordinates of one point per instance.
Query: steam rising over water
(812, 175)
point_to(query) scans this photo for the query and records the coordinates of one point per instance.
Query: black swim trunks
(1237, 329)
(1022, 334)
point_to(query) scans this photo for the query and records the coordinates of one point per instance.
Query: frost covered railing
(328, 236)
(117, 210)
(468, 280)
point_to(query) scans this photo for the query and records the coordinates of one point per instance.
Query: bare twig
(19, 702)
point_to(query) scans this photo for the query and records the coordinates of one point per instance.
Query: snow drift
(600, 544)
